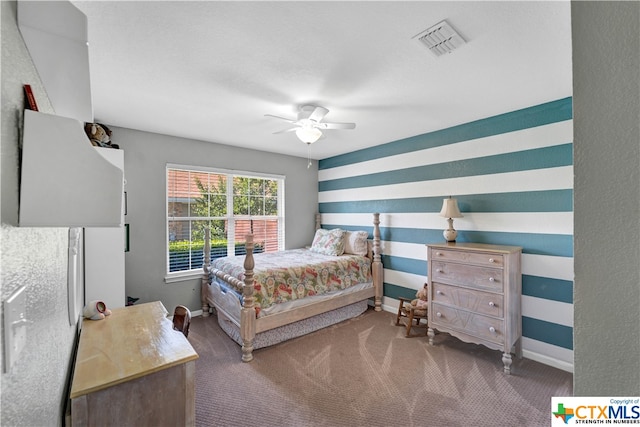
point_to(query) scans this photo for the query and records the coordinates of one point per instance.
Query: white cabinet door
(104, 253)
(65, 181)
(104, 266)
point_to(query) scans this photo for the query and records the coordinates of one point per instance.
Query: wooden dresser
(133, 369)
(474, 295)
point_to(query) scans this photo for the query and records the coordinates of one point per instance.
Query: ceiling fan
(308, 125)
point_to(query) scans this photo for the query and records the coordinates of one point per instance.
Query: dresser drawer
(476, 258)
(469, 299)
(467, 275)
(483, 327)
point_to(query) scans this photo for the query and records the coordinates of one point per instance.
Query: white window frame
(230, 217)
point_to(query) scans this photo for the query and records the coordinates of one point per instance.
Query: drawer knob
(439, 292)
(492, 329)
(491, 279)
(438, 270)
(492, 260)
(438, 314)
(491, 304)
(438, 253)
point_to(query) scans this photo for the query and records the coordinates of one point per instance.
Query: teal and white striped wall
(513, 177)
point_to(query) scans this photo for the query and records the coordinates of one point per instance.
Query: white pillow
(328, 242)
(355, 242)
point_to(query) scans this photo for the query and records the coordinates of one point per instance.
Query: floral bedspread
(294, 274)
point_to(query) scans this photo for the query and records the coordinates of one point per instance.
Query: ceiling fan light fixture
(309, 124)
(308, 134)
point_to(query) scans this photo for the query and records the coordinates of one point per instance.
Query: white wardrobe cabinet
(104, 253)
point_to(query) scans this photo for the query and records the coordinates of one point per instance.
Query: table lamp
(450, 210)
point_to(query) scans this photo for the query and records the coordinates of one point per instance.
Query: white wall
(606, 76)
(146, 156)
(33, 391)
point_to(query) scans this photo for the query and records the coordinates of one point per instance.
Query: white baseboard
(546, 360)
(387, 307)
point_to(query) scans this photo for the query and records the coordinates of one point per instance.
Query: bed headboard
(374, 252)
(373, 244)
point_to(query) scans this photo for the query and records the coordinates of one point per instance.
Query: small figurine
(421, 302)
(95, 310)
(99, 135)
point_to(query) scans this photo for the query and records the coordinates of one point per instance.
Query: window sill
(183, 276)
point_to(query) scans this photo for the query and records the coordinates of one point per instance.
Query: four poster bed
(266, 298)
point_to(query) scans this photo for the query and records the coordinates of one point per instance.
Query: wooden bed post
(248, 313)
(205, 266)
(318, 221)
(377, 268)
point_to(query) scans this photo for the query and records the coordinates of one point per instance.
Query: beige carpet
(365, 372)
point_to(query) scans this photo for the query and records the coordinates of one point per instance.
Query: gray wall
(606, 50)
(146, 156)
(33, 390)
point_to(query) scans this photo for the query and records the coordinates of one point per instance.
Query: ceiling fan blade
(318, 114)
(336, 125)
(281, 118)
(287, 130)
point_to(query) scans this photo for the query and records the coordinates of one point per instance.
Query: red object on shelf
(31, 99)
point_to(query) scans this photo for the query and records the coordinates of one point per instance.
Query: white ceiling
(211, 70)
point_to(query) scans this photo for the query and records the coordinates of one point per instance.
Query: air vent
(440, 39)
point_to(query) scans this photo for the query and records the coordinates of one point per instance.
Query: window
(230, 205)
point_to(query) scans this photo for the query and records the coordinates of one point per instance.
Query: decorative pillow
(328, 242)
(355, 242)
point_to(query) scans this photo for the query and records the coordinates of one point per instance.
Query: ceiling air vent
(440, 39)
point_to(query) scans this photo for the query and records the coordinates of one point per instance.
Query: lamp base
(450, 235)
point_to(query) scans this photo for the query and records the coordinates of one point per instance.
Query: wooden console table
(133, 369)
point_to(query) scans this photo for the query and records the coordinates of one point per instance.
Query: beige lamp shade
(450, 208)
